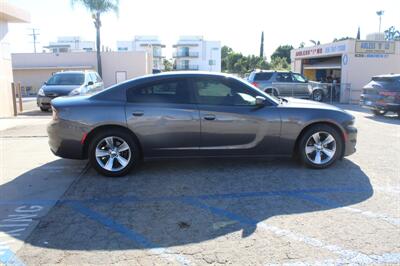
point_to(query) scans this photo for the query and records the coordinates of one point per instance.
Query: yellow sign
(375, 47)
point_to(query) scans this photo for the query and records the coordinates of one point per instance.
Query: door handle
(137, 113)
(209, 117)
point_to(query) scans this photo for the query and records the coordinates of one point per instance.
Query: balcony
(187, 67)
(185, 54)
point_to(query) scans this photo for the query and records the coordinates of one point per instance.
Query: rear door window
(263, 76)
(283, 77)
(386, 83)
(172, 91)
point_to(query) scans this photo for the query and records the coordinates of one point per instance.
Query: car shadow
(389, 118)
(172, 203)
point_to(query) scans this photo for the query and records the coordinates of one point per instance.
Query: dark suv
(382, 94)
(289, 84)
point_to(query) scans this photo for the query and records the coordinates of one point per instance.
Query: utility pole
(380, 14)
(34, 35)
(262, 45)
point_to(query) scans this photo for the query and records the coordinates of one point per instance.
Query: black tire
(317, 95)
(379, 112)
(135, 155)
(44, 109)
(304, 139)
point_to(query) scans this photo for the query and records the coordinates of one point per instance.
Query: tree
(315, 42)
(98, 7)
(358, 34)
(302, 44)
(342, 39)
(392, 34)
(233, 62)
(167, 65)
(283, 51)
(262, 45)
(279, 63)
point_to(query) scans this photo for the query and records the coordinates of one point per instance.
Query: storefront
(349, 63)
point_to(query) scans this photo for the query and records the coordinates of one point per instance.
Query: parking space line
(349, 255)
(129, 233)
(333, 204)
(7, 257)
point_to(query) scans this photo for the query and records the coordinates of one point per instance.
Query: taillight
(255, 84)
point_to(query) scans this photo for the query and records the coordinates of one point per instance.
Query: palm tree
(97, 7)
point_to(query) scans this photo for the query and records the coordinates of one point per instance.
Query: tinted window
(67, 79)
(216, 92)
(283, 77)
(263, 76)
(387, 83)
(175, 91)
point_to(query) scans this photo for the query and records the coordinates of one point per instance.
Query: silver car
(287, 84)
(71, 83)
(193, 114)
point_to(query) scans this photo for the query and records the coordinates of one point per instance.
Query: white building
(145, 43)
(194, 53)
(70, 44)
(8, 14)
(351, 63)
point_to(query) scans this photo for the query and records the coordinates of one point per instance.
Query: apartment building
(145, 43)
(67, 44)
(195, 53)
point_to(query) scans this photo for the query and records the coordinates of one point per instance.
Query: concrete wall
(31, 70)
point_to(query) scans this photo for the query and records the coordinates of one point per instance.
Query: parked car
(382, 94)
(70, 83)
(194, 114)
(288, 84)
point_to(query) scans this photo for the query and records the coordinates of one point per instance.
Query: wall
(33, 69)
(6, 107)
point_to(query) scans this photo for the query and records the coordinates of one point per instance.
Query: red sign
(312, 51)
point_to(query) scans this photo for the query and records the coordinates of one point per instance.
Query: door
(164, 119)
(284, 84)
(301, 86)
(231, 123)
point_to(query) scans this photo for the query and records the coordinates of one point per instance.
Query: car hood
(59, 90)
(308, 104)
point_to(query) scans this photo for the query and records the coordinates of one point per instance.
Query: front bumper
(350, 140)
(44, 101)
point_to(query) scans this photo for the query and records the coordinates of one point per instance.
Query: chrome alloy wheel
(320, 148)
(113, 153)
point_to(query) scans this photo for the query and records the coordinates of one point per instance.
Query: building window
(122, 48)
(212, 62)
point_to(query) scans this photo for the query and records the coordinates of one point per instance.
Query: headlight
(76, 91)
(41, 92)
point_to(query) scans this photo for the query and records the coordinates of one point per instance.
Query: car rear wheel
(113, 153)
(379, 112)
(317, 95)
(320, 146)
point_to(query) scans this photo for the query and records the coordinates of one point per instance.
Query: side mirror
(45, 83)
(260, 101)
(90, 83)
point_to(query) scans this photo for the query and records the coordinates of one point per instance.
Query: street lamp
(380, 14)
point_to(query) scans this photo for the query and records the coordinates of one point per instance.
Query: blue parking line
(108, 222)
(9, 258)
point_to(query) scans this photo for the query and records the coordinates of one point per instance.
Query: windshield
(67, 79)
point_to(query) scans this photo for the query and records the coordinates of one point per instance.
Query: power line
(34, 35)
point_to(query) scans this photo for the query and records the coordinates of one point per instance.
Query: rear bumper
(350, 140)
(375, 105)
(65, 140)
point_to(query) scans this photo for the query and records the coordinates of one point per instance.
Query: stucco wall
(33, 69)
(6, 107)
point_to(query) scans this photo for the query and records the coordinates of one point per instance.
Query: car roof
(391, 75)
(74, 72)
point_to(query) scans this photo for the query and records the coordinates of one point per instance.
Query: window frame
(156, 82)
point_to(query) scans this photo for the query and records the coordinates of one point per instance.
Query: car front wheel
(320, 146)
(317, 95)
(113, 153)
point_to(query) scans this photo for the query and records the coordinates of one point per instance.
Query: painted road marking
(333, 204)
(130, 234)
(222, 224)
(9, 258)
(386, 258)
(347, 254)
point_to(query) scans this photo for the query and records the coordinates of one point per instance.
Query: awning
(323, 66)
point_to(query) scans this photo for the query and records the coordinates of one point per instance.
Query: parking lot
(198, 212)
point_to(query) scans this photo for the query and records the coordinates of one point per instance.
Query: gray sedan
(194, 114)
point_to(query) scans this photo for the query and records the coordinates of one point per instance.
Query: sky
(236, 23)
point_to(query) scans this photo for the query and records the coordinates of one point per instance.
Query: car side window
(298, 78)
(98, 78)
(216, 92)
(93, 77)
(283, 77)
(174, 91)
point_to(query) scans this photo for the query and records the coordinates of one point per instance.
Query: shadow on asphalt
(35, 113)
(172, 203)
